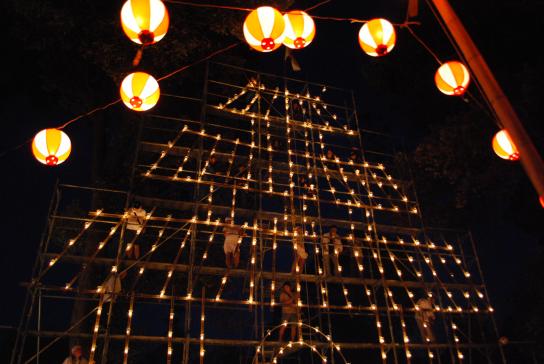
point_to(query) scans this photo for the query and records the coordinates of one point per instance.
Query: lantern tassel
(138, 56)
(289, 56)
(413, 9)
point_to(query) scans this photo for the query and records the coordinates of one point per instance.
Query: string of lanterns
(265, 29)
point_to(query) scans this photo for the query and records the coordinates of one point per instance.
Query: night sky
(395, 95)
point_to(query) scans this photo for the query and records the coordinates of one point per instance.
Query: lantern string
(423, 44)
(317, 5)
(16, 147)
(445, 30)
(355, 20)
(200, 5)
(104, 107)
(405, 24)
(138, 56)
(199, 61)
(351, 20)
(228, 7)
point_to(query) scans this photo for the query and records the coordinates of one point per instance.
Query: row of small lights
(287, 94)
(322, 159)
(86, 225)
(274, 231)
(306, 155)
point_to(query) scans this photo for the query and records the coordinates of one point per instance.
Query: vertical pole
(322, 281)
(127, 332)
(39, 325)
(106, 345)
(194, 226)
(529, 156)
(26, 316)
(475, 253)
(202, 318)
(393, 344)
(259, 198)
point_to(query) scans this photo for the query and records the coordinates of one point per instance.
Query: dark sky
(507, 32)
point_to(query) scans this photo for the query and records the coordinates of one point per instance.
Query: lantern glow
(264, 29)
(504, 147)
(377, 37)
(51, 147)
(140, 91)
(299, 29)
(144, 21)
(452, 78)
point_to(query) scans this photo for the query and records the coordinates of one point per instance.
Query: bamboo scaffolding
(394, 262)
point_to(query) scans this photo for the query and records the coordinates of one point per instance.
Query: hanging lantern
(377, 37)
(140, 91)
(541, 199)
(452, 78)
(144, 21)
(51, 147)
(504, 147)
(299, 29)
(264, 29)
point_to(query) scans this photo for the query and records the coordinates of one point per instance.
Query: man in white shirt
(76, 356)
(231, 246)
(112, 285)
(425, 318)
(332, 239)
(135, 223)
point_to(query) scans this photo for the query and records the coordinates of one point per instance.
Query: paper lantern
(144, 21)
(299, 29)
(264, 29)
(377, 37)
(140, 91)
(452, 78)
(51, 147)
(541, 199)
(504, 147)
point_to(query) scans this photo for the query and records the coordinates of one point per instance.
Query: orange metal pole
(529, 156)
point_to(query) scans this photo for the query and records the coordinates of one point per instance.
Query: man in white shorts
(289, 300)
(300, 252)
(332, 238)
(233, 238)
(425, 318)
